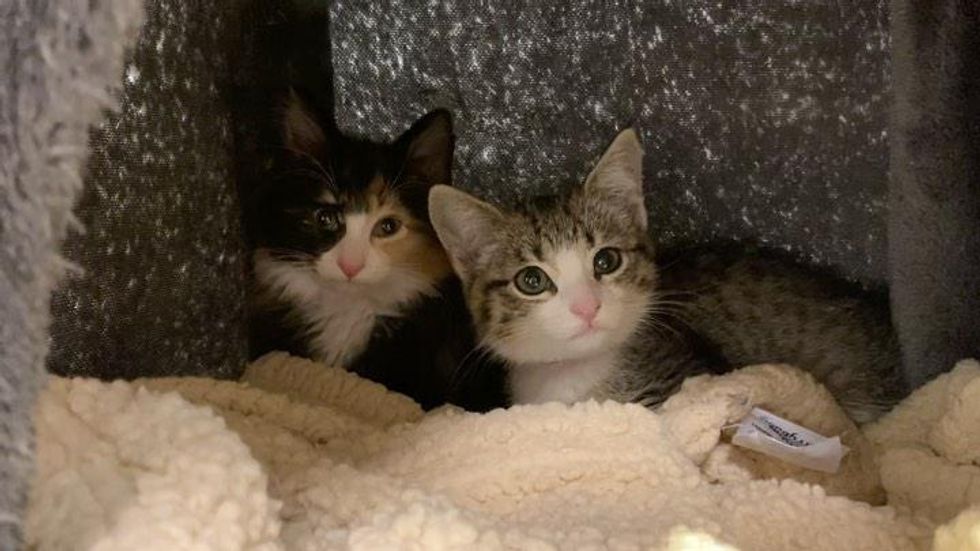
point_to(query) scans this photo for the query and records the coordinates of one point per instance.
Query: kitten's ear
(619, 174)
(301, 132)
(428, 147)
(465, 225)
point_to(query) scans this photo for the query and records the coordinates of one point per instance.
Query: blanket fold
(298, 456)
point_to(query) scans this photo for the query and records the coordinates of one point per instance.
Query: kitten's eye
(532, 281)
(386, 227)
(327, 219)
(606, 261)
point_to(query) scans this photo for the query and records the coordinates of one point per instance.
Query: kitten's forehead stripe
(535, 225)
(495, 284)
(356, 203)
(555, 223)
(377, 191)
(374, 196)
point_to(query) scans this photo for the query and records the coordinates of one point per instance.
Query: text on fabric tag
(772, 435)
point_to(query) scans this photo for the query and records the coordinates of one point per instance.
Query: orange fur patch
(417, 248)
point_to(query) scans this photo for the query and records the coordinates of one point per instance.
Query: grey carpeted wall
(760, 120)
(846, 132)
(934, 196)
(163, 251)
(60, 63)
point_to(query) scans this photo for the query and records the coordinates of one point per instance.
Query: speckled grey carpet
(760, 120)
(934, 195)
(59, 61)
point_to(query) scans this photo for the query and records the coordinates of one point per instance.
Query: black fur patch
(419, 351)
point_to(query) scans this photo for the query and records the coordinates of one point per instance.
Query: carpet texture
(60, 61)
(934, 193)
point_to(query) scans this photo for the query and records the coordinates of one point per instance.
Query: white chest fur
(341, 316)
(567, 382)
(340, 327)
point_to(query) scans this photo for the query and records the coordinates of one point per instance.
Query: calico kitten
(347, 269)
(566, 290)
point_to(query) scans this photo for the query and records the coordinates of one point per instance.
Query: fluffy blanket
(60, 62)
(298, 456)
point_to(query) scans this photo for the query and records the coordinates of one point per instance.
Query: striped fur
(655, 327)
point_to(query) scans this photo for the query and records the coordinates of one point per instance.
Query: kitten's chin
(587, 332)
(593, 343)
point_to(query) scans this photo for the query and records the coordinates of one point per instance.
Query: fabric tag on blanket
(772, 435)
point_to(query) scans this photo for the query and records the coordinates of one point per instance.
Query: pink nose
(586, 308)
(349, 267)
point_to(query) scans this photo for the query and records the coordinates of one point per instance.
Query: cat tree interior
(845, 133)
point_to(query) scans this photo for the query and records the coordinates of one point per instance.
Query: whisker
(323, 171)
(302, 171)
(679, 313)
(291, 256)
(679, 293)
(680, 303)
(470, 366)
(396, 182)
(660, 328)
(328, 174)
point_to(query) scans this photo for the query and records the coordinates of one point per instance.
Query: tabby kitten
(347, 268)
(566, 291)
(759, 306)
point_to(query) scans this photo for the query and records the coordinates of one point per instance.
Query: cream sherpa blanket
(298, 456)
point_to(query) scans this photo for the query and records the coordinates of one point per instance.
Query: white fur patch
(567, 382)
(551, 357)
(341, 313)
(552, 333)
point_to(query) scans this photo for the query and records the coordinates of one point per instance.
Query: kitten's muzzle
(350, 267)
